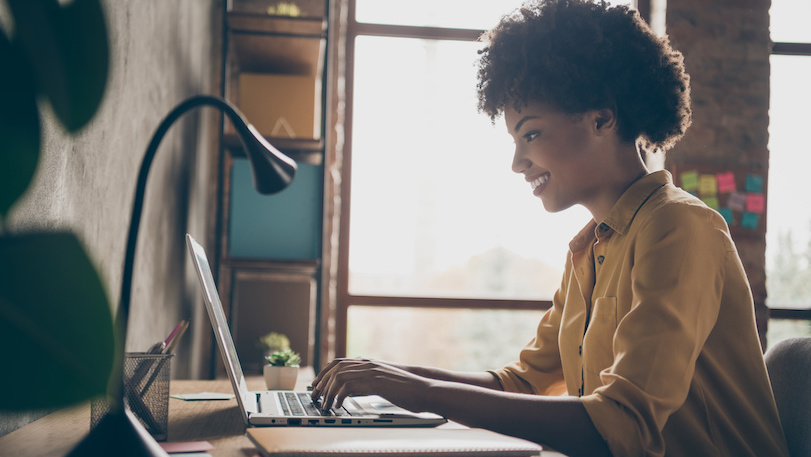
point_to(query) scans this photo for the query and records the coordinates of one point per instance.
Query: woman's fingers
(325, 379)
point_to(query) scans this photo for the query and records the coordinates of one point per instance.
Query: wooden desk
(218, 422)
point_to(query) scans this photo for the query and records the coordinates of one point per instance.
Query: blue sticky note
(749, 220)
(754, 183)
(726, 212)
(203, 396)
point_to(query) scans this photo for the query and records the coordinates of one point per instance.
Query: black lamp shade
(272, 170)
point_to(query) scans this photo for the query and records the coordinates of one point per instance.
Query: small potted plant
(273, 342)
(281, 369)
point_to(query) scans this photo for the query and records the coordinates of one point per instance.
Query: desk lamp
(119, 432)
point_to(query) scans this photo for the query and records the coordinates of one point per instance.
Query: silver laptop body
(279, 408)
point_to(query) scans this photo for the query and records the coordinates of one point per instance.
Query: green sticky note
(689, 180)
(749, 220)
(711, 201)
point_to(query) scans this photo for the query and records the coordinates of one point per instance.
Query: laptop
(284, 407)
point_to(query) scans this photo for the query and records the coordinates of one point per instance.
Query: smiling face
(559, 155)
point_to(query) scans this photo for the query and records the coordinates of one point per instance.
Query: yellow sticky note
(707, 185)
(689, 180)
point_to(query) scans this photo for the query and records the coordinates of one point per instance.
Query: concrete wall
(162, 52)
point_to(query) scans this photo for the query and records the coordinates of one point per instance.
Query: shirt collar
(624, 210)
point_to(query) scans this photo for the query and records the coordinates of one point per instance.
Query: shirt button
(600, 259)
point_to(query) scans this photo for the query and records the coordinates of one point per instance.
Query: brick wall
(726, 46)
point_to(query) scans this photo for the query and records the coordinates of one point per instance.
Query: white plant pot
(280, 378)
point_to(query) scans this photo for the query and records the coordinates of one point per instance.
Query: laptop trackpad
(374, 405)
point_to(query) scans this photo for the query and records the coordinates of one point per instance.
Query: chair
(789, 366)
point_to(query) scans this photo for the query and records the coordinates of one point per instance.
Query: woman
(652, 333)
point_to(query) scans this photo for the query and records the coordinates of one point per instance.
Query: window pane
(465, 14)
(436, 210)
(781, 329)
(461, 339)
(789, 21)
(788, 252)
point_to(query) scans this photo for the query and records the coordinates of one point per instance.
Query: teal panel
(286, 225)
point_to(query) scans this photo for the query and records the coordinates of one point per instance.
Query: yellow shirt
(654, 328)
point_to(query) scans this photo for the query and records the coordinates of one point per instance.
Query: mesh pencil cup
(146, 393)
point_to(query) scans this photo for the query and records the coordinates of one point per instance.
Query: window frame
(344, 299)
(782, 311)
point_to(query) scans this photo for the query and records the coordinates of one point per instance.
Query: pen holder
(146, 392)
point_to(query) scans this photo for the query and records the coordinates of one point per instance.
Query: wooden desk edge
(218, 422)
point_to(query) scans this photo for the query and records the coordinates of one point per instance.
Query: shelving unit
(270, 246)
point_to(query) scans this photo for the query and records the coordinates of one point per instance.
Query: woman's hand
(346, 377)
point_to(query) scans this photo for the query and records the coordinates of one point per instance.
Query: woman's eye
(531, 135)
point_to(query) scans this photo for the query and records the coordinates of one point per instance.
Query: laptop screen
(220, 326)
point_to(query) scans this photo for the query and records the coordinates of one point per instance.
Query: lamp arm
(237, 118)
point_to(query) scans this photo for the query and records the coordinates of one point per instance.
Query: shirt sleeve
(677, 281)
(539, 370)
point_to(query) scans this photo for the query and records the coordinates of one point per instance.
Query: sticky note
(726, 182)
(689, 180)
(711, 201)
(749, 220)
(754, 183)
(202, 396)
(186, 446)
(755, 203)
(726, 212)
(737, 201)
(707, 185)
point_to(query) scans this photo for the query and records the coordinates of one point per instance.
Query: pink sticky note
(726, 182)
(755, 203)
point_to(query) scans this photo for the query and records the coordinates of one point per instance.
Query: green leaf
(69, 52)
(56, 327)
(19, 126)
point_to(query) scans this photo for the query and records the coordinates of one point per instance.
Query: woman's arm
(559, 422)
(481, 379)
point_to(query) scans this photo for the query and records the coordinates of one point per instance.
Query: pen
(158, 348)
(176, 338)
(172, 340)
(181, 324)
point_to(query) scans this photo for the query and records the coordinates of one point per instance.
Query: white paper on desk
(203, 396)
(363, 442)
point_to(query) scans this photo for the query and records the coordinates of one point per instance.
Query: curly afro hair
(577, 55)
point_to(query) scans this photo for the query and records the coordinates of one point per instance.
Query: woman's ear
(604, 120)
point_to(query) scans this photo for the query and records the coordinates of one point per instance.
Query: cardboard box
(282, 106)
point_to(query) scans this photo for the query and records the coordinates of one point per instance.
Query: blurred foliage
(56, 325)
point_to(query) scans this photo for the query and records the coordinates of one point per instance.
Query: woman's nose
(520, 164)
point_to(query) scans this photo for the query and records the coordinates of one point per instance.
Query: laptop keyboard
(300, 404)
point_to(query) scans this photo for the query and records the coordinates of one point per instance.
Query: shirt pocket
(598, 351)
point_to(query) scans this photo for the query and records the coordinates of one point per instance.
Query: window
(443, 238)
(788, 239)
